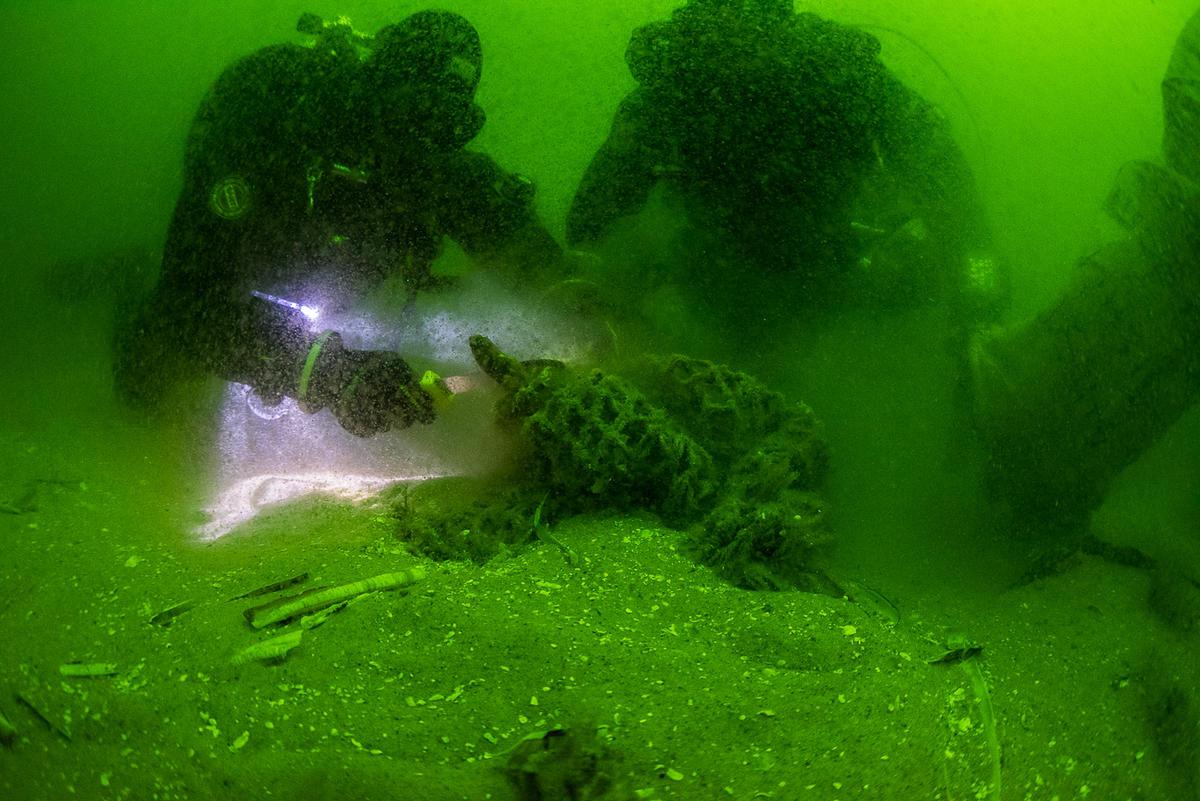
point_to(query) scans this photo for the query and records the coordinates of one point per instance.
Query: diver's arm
(490, 213)
(620, 176)
(941, 222)
(208, 316)
(260, 341)
(917, 144)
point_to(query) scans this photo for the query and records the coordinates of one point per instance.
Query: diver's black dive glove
(368, 391)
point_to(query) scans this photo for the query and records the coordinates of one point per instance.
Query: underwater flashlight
(311, 313)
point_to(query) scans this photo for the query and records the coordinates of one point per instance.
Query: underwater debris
(98, 669)
(769, 523)
(8, 732)
(963, 653)
(1174, 597)
(165, 617)
(543, 533)
(571, 764)
(594, 441)
(722, 409)
(1052, 563)
(708, 449)
(873, 602)
(286, 608)
(314, 620)
(464, 517)
(39, 700)
(763, 546)
(956, 656)
(270, 588)
(274, 648)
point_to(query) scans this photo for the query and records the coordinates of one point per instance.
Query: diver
(311, 175)
(810, 177)
(805, 173)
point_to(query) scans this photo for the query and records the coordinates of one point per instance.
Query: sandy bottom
(625, 673)
(667, 682)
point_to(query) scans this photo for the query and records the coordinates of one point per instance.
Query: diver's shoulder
(274, 64)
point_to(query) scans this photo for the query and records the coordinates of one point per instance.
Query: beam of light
(271, 455)
(246, 499)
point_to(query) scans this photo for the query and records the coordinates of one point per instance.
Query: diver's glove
(368, 391)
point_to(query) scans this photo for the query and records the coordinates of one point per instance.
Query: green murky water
(674, 684)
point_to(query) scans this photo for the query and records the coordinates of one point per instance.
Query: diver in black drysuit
(803, 165)
(312, 174)
(811, 177)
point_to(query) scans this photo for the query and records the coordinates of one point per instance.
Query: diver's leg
(1181, 104)
(1067, 400)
